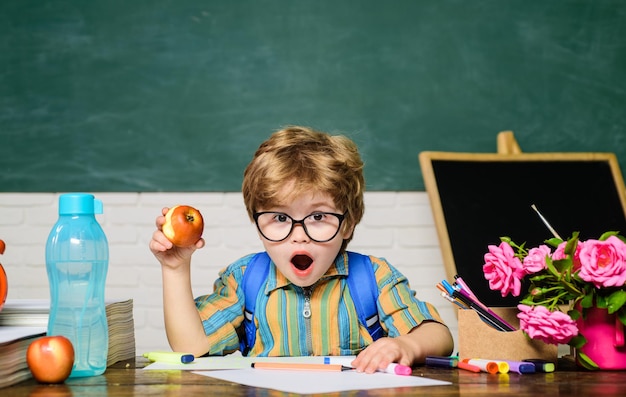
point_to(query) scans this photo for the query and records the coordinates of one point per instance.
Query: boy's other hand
(165, 251)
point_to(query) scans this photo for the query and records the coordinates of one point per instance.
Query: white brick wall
(397, 225)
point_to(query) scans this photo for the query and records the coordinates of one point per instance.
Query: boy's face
(299, 258)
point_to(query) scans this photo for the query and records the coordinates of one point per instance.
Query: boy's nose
(299, 234)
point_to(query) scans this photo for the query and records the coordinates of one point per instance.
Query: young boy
(304, 191)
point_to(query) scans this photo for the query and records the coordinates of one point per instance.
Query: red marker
(468, 367)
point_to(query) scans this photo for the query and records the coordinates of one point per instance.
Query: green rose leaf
(570, 247)
(587, 301)
(602, 302)
(577, 342)
(607, 235)
(616, 300)
(586, 362)
(574, 314)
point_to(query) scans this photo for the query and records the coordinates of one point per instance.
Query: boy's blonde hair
(312, 161)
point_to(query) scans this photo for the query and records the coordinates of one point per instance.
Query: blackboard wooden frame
(476, 198)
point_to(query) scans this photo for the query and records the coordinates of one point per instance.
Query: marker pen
(393, 368)
(521, 367)
(170, 357)
(441, 362)
(484, 365)
(541, 365)
(503, 366)
(468, 367)
(299, 366)
(398, 369)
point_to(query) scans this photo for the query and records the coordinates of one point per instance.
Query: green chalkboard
(175, 95)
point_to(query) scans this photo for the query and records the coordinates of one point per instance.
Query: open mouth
(301, 262)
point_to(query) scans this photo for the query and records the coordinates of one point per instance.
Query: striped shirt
(333, 327)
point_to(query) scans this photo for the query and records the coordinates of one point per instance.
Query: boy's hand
(429, 338)
(383, 352)
(165, 251)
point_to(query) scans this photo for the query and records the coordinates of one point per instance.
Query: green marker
(541, 365)
(170, 357)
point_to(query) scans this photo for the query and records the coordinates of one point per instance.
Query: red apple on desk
(183, 225)
(50, 359)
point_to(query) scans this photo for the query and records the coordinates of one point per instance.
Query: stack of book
(25, 313)
(121, 331)
(14, 342)
(23, 320)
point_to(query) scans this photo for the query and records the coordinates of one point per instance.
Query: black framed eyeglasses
(319, 226)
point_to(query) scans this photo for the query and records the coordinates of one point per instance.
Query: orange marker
(503, 366)
(484, 365)
(300, 366)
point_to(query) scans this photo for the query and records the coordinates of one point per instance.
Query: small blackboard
(477, 198)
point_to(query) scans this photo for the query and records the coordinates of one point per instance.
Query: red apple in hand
(183, 225)
(50, 358)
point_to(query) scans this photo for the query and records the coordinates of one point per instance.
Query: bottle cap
(79, 203)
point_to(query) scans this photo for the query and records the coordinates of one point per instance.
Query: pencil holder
(479, 340)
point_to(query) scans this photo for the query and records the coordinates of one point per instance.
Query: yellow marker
(502, 366)
(170, 357)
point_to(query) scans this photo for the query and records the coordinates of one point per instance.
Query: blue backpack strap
(364, 291)
(254, 277)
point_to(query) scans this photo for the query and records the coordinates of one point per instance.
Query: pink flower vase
(605, 339)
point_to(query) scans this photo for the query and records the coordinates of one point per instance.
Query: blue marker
(541, 365)
(521, 367)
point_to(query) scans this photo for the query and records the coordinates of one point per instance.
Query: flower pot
(605, 339)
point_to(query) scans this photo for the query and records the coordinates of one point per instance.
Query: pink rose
(550, 327)
(559, 253)
(603, 263)
(503, 269)
(535, 261)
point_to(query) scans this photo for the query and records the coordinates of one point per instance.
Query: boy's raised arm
(183, 325)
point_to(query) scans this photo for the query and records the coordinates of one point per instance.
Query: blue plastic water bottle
(77, 260)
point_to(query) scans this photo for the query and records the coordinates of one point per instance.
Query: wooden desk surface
(126, 379)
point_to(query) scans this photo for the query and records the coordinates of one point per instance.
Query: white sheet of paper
(318, 382)
(11, 334)
(236, 368)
